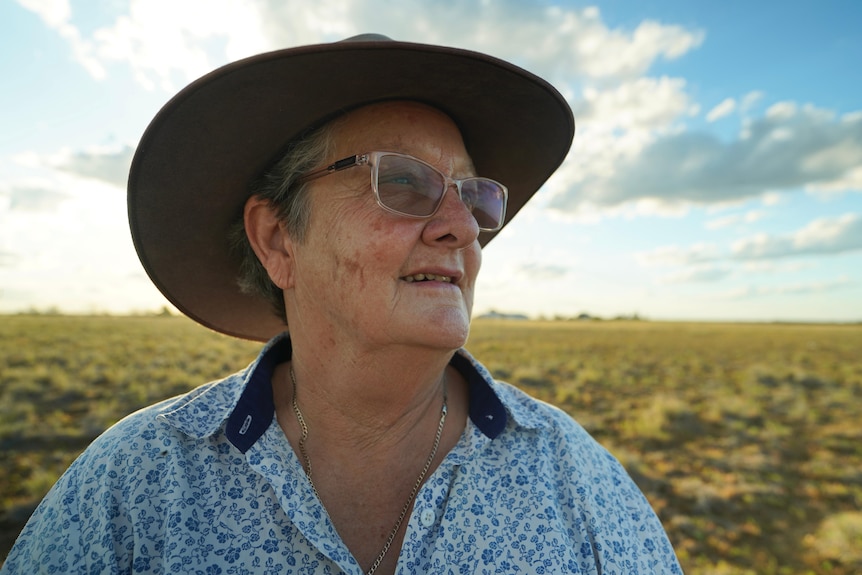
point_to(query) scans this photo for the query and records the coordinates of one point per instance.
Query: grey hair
(278, 186)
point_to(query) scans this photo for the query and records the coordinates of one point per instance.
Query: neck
(363, 384)
(364, 406)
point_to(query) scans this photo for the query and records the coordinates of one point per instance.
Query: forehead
(401, 126)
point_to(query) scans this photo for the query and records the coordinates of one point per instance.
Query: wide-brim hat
(191, 172)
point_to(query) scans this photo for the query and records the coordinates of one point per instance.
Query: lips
(427, 277)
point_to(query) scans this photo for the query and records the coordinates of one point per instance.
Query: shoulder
(92, 502)
(559, 446)
(588, 485)
(126, 450)
(153, 421)
(547, 422)
(138, 444)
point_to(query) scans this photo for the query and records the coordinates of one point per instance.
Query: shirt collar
(243, 402)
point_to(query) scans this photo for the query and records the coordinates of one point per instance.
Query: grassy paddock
(746, 438)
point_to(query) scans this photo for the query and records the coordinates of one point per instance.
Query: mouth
(427, 278)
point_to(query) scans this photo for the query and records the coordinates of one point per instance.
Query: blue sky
(716, 173)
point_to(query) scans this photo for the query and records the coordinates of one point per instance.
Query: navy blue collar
(254, 411)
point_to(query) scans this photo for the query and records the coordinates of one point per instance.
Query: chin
(449, 328)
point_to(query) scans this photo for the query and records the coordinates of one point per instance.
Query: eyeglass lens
(410, 187)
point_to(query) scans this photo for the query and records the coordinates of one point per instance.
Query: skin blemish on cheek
(354, 268)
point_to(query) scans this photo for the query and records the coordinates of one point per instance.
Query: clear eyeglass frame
(372, 159)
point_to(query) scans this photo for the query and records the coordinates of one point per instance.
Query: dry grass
(747, 439)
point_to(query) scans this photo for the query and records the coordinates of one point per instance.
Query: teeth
(423, 277)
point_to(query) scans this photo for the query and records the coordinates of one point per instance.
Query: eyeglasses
(408, 186)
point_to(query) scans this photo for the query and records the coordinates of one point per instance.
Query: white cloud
(159, 39)
(851, 180)
(162, 49)
(699, 274)
(164, 39)
(774, 267)
(640, 104)
(54, 13)
(781, 111)
(749, 100)
(799, 288)
(734, 220)
(541, 271)
(558, 42)
(611, 53)
(771, 199)
(822, 236)
(107, 165)
(7, 259)
(35, 199)
(71, 252)
(791, 147)
(724, 108)
(675, 255)
(834, 157)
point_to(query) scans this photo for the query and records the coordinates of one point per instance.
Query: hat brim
(190, 175)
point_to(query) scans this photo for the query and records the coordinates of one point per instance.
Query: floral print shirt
(207, 483)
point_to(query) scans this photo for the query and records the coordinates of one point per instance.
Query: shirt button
(427, 518)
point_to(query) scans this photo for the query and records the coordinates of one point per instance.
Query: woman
(364, 439)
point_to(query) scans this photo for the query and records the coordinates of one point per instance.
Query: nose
(453, 224)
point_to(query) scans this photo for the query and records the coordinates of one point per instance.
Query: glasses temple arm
(332, 168)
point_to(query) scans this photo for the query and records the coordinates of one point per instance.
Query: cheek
(376, 253)
(473, 262)
(363, 248)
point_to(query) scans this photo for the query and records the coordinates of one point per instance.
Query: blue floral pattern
(208, 484)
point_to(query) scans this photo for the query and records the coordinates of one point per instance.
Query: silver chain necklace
(307, 461)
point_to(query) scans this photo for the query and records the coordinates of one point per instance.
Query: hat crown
(368, 37)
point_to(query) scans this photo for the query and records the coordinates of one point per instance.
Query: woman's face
(352, 273)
